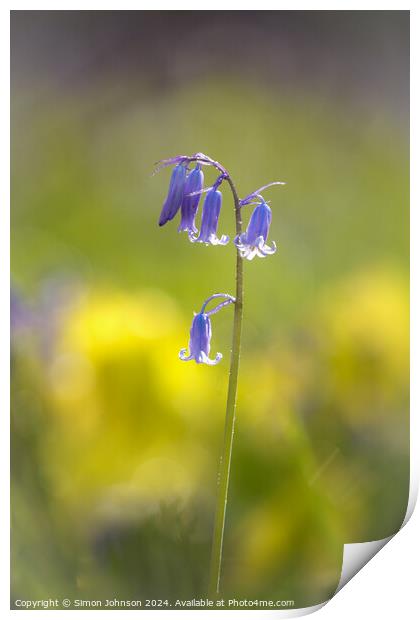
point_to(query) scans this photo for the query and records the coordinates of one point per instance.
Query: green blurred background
(115, 442)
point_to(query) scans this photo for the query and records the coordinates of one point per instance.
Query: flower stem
(225, 460)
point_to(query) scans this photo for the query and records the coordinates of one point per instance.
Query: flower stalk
(226, 457)
(184, 193)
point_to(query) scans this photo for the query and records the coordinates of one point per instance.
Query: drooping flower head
(200, 333)
(210, 219)
(175, 194)
(253, 241)
(192, 194)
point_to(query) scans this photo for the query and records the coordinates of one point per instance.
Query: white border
(388, 584)
(4, 305)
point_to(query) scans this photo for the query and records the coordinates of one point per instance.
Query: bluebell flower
(200, 333)
(175, 194)
(194, 185)
(210, 219)
(253, 242)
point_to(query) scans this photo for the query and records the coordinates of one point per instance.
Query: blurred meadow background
(115, 442)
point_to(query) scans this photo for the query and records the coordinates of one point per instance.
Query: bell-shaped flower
(253, 241)
(200, 333)
(175, 194)
(210, 219)
(192, 194)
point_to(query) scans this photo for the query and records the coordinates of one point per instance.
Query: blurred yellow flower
(127, 413)
(362, 327)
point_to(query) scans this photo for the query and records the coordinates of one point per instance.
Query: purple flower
(253, 242)
(200, 333)
(20, 315)
(209, 220)
(175, 194)
(193, 185)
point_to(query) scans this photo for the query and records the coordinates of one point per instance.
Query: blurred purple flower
(20, 315)
(253, 242)
(192, 194)
(175, 194)
(210, 219)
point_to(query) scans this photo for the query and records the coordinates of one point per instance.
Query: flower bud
(175, 194)
(194, 183)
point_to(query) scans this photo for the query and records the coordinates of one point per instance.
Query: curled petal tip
(266, 250)
(191, 230)
(210, 362)
(249, 255)
(214, 240)
(183, 355)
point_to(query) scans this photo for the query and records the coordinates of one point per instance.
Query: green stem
(225, 460)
